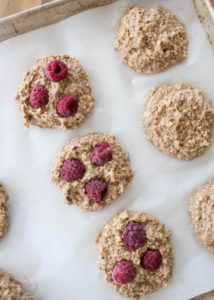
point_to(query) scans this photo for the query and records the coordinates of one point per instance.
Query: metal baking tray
(56, 10)
(45, 14)
(53, 11)
(205, 10)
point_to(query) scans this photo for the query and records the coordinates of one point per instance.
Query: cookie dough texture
(116, 172)
(178, 119)
(3, 211)
(11, 289)
(201, 211)
(151, 40)
(111, 250)
(76, 84)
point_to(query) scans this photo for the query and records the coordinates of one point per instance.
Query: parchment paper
(50, 245)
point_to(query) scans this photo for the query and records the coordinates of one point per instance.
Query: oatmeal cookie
(201, 211)
(135, 254)
(151, 40)
(3, 211)
(92, 171)
(178, 119)
(11, 289)
(55, 93)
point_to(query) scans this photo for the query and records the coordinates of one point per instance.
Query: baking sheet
(51, 12)
(10, 7)
(50, 245)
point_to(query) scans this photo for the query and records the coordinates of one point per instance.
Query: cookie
(178, 119)
(201, 211)
(135, 254)
(92, 171)
(151, 40)
(205, 296)
(11, 289)
(3, 211)
(55, 93)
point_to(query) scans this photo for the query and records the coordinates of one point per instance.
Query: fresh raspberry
(151, 260)
(72, 169)
(134, 236)
(56, 70)
(101, 154)
(96, 189)
(38, 96)
(67, 106)
(124, 272)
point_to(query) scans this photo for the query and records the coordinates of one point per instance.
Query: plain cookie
(178, 119)
(135, 254)
(11, 289)
(151, 40)
(92, 171)
(55, 93)
(3, 211)
(201, 211)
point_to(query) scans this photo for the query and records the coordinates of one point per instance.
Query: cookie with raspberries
(92, 171)
(55, 93)
(3, 211)
(201, 211)
(10, 288)
(135, 254)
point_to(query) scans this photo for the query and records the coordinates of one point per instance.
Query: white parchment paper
(50, 245)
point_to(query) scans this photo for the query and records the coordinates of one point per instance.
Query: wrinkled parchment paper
(50, 245)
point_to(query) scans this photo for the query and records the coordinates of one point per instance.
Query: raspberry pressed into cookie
(92, 171)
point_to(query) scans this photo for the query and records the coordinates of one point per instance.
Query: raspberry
(56, 70)
(151, 260)
(134, 236)
(124, 272)
(101, 154)
(67, 106)
(38, 96)
(72, 169)
(96, 189)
